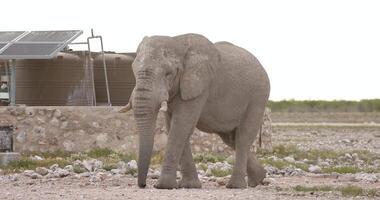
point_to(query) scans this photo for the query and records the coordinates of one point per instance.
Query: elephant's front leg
(185, 115)
(189, 171)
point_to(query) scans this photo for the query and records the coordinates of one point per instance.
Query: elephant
(218, 88)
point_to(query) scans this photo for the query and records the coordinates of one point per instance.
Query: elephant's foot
(166, 182)
(256, 176)
(237, 181)
(189, 183)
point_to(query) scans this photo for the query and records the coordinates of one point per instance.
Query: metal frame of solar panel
(35, 44)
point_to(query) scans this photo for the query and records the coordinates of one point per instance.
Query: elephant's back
(238, 63)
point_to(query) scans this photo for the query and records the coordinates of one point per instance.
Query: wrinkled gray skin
(218, 88)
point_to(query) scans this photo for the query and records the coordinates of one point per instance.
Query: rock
(54, 122)
(315, 169)
(289, 171)
(347, 157)
(324, 163)
(28, 173)
(69, 168)
(92, 165)
(42, 171)
(365, 177)
(38, 158)
(121, 165)
(115, 171)
(208, 172)
(2, 172)
(101, 176)
(35, 175)
(154, 175)
(85, 174)
(271, 170)
(62, 172)
(347, 141)
(30, 111)
(221, 181)
(132, 165)
(13, 177)
(21, 137)
(54, 167)
(355, 157)
(57, 113)
(289, 159)
(64, 125)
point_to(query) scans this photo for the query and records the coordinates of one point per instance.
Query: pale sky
(322, 49)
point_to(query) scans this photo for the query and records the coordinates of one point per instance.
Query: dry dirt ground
(317, 136)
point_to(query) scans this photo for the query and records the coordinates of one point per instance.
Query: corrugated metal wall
(67, 80)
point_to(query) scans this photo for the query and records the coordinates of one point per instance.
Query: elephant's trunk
(145, 113)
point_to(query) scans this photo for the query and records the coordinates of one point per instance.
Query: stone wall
(42, 129)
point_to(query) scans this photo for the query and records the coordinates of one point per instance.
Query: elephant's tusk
(164, 106)
(126, 108)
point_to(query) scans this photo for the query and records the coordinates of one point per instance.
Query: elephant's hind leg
(245, 162)
(189, 172)
(256, 172)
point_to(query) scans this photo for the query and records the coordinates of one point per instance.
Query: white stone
(69, 168)
(54, 167)
(21, 137)
(347, 156)
(132, 165)
(365, 177)
(85, 174)
(54, 122)
(38, 158)
(28, 173)
(57, 113)
(315, 169)
(115, 171)
(289, 159)
(92, 164)
(30, 111)
(62, 172)
(35, 175)
(42, 171)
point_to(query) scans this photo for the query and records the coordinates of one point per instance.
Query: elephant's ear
(198, 73)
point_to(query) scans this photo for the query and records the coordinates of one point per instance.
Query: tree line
(365, 105)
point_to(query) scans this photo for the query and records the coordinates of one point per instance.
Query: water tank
(121, 80)
(64, 80)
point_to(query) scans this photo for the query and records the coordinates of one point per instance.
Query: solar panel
(2, 45)
(48, 36)
(35, 44)
(9, 36)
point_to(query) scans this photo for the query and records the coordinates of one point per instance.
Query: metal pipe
(91, 67)
(104, 62)
(105, 71)
(13, 82)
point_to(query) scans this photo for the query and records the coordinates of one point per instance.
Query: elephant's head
(167, 68)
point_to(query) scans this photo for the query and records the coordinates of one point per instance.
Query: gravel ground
(107, 185)
(124, 187)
